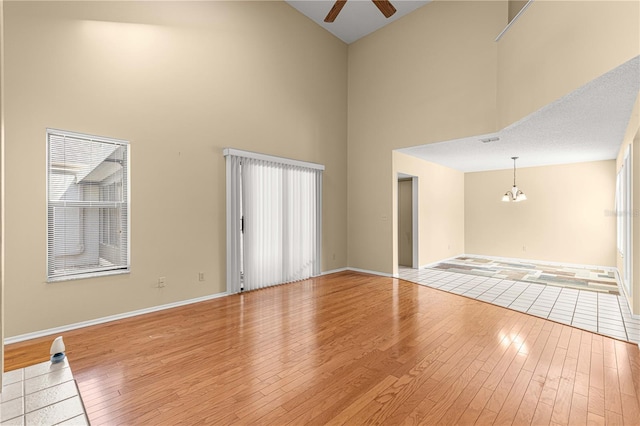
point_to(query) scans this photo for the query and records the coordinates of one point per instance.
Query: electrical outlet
(200, 276)
(524, 248)
(161, 282)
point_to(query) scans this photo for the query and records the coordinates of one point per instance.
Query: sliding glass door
(273, 220)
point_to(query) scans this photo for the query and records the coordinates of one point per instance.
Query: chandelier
(514, 194)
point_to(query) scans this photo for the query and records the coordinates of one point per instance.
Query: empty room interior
(319, 212)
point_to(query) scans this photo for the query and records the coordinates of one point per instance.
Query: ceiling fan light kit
(384, 6)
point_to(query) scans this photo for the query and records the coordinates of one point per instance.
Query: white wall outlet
(161, 282)
(200, 276)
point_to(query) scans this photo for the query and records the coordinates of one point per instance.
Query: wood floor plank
(596, 374)
(612, 400)
(609, 353)
(573, 350)
(630, 409)
(512, 402)
(487, 417)
(361, 402)
(583, 367)
(527, 408)
(463, 400)
(596, 401)
(476, 406)
(546, 357)
(595, 419)
(346, 348)
(623, 368)
(562, 403)
(542, 415)
(578, 413)
(503, 389)
(429, 413)
(633, 353)
(612, 418)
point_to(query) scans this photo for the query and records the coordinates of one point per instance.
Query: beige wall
(183, 80)
(437, 74)
(441, 207)
(566, 218)
(180, 81)
(557, 46)
(429, 76)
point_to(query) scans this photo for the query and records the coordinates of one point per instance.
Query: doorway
(407, 221)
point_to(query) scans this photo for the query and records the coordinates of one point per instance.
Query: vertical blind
(273, 220)
(87, 205)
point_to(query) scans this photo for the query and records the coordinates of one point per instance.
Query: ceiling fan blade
(385, 7)
(335, 10)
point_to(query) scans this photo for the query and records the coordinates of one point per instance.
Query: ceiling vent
(489, 140)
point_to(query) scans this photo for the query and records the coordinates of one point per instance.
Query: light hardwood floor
(347, 348)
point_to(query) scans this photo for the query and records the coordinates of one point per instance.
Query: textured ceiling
(585, 125)
(358, 17)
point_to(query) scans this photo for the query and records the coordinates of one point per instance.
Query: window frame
(124, 204)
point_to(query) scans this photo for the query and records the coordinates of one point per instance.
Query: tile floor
(42, 394)
(600, 313)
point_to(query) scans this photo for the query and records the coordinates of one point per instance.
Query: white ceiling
(585, 125)
(358, 17)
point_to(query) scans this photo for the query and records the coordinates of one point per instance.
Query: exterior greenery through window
(87, 205)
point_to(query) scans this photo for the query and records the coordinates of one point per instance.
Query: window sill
(82, 276)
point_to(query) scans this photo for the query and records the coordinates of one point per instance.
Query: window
(87, 205)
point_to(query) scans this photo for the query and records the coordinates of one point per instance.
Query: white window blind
(87, 205)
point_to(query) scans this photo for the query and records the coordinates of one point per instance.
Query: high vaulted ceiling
(588, 124)
(358, 17)
(585, 125)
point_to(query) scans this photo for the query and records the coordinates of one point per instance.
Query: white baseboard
(366, 271)
(626, 295)
(61, 329)
(333, 271)
(432, 264)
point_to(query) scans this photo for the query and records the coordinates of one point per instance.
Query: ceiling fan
(385, 7)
